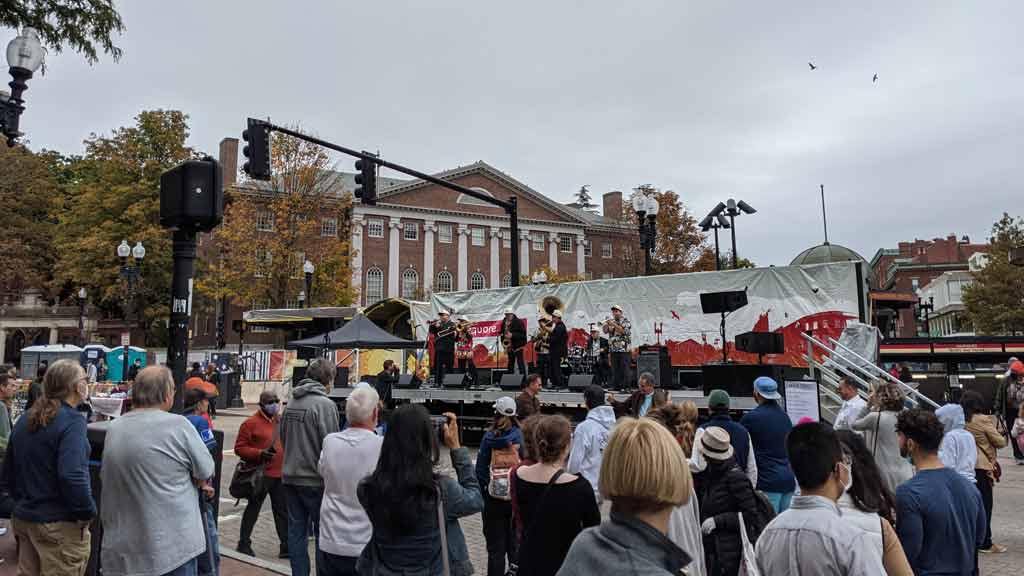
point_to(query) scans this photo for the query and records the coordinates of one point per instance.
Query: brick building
(899, 274)
(421, 238)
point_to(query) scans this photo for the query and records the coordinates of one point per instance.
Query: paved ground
(1007, 525)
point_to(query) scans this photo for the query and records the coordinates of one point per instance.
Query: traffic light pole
(511, 207)
(184, 264)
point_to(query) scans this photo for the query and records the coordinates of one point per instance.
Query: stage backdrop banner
(821, 298)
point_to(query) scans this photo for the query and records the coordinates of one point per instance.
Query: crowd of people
(886, 491)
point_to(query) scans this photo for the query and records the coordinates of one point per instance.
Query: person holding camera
(258, 442)
(405, 499)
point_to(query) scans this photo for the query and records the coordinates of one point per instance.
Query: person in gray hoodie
(958, 450)
(307, 420)
(590, 438)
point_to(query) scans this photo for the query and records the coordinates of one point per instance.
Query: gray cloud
(710, 99)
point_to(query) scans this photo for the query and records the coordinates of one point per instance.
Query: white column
(553, 251)
(463, 275)
(524, 253)
(495, 257)
(393, 256)
(581, 259)
(428, 255)
(54, 331)
(3, 343)
(357, 256)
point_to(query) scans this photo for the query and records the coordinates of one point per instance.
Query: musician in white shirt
(852, 406)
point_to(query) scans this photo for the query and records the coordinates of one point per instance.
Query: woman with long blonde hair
(46, 471)
(878, 424)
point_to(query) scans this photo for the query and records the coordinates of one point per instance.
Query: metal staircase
(832, 360)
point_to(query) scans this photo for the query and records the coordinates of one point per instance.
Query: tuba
(548, 305)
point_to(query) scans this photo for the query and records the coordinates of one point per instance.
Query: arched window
(410, 283)
(444, 282)
(477, 282)
(506, 281)
(374, 285)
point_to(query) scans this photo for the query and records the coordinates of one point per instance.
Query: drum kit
(581, 361)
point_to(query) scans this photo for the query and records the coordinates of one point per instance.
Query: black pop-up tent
(358, 333)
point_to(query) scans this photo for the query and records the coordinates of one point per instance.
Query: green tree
(680, 245)
(995, 299)
(29, 188)
(113, 194)
(83, 25)
(583, 199)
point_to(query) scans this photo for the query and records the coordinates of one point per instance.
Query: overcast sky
(711, 99)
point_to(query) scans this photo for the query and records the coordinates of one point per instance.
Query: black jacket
(558, 342)
(518, 330)
(602, 345)
(631, 407)
(385, 382)
(723, 490)
(446, 342)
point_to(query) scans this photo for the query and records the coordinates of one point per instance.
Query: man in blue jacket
(768, 425)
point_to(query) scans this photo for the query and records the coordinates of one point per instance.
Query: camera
(439, 422)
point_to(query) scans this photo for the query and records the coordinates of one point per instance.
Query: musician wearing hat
(443, 330)
(558, 349)
(513, 338)
(597, 348)
(619, 332)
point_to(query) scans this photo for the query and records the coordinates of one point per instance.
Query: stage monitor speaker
(717, 302)
(341, 377)
(405, 382)
(579, 382)
(511, 381)
(454, 381)
(691, 379)
(655, 360)
(761, 342)
(737, 379)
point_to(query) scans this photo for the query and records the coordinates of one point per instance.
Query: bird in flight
(874, 79)
(811, 64)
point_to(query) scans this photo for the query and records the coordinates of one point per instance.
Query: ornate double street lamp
(130, 273)
(646, 208)
(308, 270)
(24, 56)
(82, 294)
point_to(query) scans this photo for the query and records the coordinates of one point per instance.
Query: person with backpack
(554, 506)
(499, 454)
(724, 492)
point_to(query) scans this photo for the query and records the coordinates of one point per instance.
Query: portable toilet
(33, 355)
(115, 361)
(91, 354)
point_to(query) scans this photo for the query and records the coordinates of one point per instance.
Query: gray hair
(360, 405)
(152, 387)
(649, 377)
(321, 370)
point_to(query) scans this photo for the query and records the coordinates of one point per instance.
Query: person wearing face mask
(46, 472)
(810, 538)
(941, 517)
(260, 441)
(868, 504)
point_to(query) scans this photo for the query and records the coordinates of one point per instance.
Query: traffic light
(366, 181)
(257, 149)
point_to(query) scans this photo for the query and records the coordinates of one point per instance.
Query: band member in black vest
(444, 346)
(619, 332)
(513, 338)
(540, 348)
(597, 349)
(558, 349)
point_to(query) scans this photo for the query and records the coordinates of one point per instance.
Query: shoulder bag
(540, 506)
(247, 476)
(442, 525)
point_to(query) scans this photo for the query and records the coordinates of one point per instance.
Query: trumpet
(612, 327)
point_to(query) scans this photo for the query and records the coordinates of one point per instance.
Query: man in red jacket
(253, 445)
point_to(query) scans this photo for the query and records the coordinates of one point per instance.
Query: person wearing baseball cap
(443, 356)
(739, 439)
(768, 426)
(499, 453)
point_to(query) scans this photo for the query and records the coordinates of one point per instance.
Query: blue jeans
(780, 500)
(303, 510)
(203, 561)
(186, 569)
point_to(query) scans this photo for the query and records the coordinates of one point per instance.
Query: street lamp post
(308, 269)
(24, 56)
(713, 221)
(302, 298)
(732, 210)
(646, 208)
(82, 294)
(130, 273)
(927, 308)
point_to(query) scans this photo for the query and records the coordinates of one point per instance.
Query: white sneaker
(3, 531)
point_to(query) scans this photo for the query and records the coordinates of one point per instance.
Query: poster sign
(126, 338)
(802, 400)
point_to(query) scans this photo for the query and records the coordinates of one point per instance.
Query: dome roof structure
(825, 253)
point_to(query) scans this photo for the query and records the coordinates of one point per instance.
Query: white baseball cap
(557, 313)
(505, 406)
(509, 311)
(463, 318)
(617, 307)
(443, 313)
